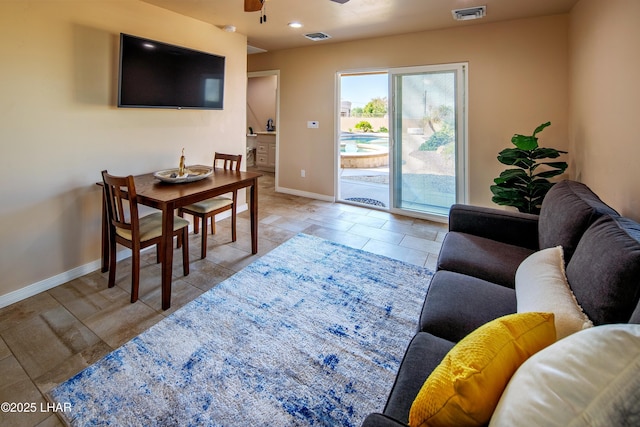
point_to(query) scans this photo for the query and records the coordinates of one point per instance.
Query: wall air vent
(317, 36)
(469, 13)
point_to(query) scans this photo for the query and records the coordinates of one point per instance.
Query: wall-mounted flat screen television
(159, 75)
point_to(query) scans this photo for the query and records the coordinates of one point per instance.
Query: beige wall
(518, 73)
(59, 125)
(605, 100)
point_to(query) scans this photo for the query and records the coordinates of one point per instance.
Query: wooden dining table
(167, 197)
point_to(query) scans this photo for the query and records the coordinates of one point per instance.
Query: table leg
(253, 199)
(166, 249)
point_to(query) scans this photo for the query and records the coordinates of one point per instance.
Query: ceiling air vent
(317, 36)
(469, 13)
(253, 49)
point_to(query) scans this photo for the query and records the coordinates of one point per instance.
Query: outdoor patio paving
(370, 184)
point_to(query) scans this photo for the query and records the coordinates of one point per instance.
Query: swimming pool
(364, 150)
(360, 155)
(361, 138)
(359, 148)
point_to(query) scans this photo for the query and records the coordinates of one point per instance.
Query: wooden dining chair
(134, 232)
(211, 207)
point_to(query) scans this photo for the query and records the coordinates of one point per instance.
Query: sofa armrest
(510, 227)
(381, 420)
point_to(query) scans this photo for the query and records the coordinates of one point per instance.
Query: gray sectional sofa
(475, 279)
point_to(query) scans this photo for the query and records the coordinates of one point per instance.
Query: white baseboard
(74, 273)
(307, 194)
(52, 282)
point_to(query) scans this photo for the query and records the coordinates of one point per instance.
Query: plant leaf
(550, 174)
(506, 192)
(514, 173)
(511, 156)
(525, 163)
(543, 153)
(541, 128)
(556, 165)
(525, 142)
(515, 157)
(511, 175)
(562, 166)
(539, 187)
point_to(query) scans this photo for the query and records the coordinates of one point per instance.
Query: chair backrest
(121, 201)
(228, 161)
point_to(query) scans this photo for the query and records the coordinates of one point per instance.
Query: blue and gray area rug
(310, 334)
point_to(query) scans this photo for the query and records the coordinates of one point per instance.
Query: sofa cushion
(465, 387)
(635, 317)
(541, 285)
(457, 304)
(589, 378)
(604, 272)
(421, 357)
(483, 258)
(568, 209)
(381, 420)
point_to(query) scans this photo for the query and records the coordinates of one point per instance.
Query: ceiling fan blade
(252, 5)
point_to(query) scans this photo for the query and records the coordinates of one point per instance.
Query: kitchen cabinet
(266, 151)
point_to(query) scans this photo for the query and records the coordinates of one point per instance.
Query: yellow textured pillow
(465, 388)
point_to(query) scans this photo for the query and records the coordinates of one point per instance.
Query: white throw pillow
(590, 378)
(541, 286)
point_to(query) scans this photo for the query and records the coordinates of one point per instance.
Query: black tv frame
(154, 74)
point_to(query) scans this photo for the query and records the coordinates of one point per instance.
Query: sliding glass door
(428, 129)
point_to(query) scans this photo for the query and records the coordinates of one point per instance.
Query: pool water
(364, 150)
(364, 139)
(353, 148)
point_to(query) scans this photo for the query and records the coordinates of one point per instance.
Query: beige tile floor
(49, 337)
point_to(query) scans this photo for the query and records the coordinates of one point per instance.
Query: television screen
(159, 75)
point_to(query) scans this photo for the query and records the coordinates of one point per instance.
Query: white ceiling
(356, 19)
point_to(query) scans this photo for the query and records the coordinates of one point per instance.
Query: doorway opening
(263, 108)
(363, 172)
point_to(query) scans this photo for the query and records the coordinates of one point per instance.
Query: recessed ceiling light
(295, 24)
(229, 28)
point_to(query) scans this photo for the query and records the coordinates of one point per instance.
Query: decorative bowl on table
(191, 173)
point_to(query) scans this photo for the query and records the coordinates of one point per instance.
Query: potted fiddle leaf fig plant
(525, 185)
